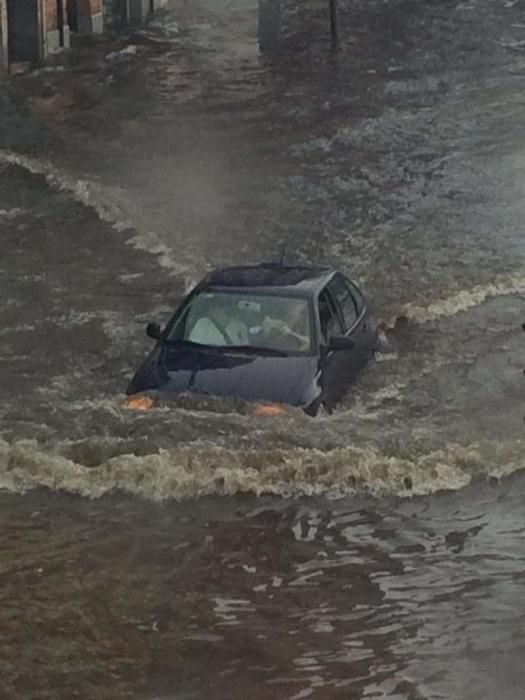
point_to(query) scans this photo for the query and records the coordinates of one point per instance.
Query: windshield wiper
(245, 349)
(194, 346)
(255, 350)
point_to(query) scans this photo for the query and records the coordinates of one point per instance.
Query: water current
(198, 551)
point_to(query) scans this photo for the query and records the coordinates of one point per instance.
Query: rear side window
(358, 296)
(330, 324)
(341, 291)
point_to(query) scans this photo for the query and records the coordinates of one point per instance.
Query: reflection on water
(398, 158)
(223, 599)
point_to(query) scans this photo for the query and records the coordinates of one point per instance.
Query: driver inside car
(290, 331)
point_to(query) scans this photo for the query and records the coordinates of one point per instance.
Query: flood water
(197, 551)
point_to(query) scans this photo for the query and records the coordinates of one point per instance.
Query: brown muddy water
(195, 551)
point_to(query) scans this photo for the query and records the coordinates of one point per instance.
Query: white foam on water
(88, 193)
(199, 469)
(150, 242)
(18, 328)
(10, 214)
(130, 50)
(464, 299)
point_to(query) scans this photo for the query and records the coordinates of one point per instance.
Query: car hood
(289, 380)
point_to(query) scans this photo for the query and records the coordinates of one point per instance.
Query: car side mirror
(153, 330)
(340, 342)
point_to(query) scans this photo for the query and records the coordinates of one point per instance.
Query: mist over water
(127, 173)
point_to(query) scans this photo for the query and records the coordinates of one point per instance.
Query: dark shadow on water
(269, 31)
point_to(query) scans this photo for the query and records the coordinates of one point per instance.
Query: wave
(95, 468)
(462, 300)
(99, 198)
(102, 200)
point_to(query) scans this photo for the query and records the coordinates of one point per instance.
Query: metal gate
(23, 30)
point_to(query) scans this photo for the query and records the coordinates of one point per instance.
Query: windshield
(227, 319)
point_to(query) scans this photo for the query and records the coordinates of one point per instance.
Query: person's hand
(274, 324)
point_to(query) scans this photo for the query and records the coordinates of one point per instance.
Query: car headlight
(270, 409)
(139, 402)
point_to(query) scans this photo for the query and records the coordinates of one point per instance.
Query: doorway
(60, 22)
(23, 31)
(72, 15)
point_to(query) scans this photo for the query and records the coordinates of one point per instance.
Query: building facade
(30, 30)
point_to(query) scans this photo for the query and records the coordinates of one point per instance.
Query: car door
(365, 333)
(354, 318)
(335, 364)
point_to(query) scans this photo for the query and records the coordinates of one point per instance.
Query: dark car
(269, 333)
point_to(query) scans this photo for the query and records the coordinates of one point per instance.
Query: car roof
(275, 278)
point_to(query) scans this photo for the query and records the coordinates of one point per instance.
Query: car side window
(358, 296)
(330, 325)
(345, 298)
